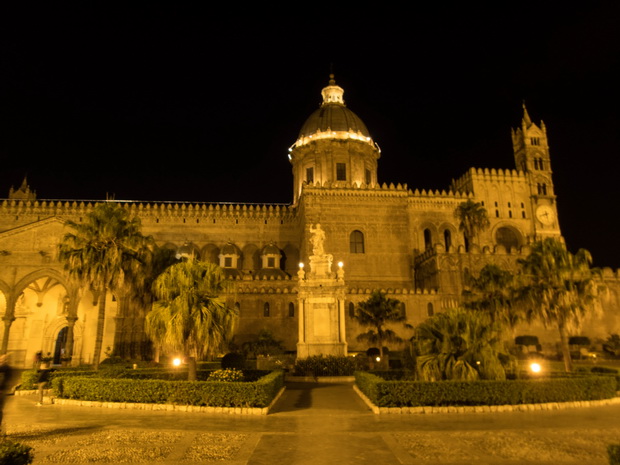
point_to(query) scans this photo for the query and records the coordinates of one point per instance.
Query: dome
(230, 249)
(270, 249)
(333, 119)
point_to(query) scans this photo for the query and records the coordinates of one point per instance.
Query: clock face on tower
(545, 214)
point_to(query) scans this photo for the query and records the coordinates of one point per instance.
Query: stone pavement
(312, 423)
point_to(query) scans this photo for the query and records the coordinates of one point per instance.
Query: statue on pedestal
(317, 239)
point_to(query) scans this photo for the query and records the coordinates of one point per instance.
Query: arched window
(238, 308)
(428, 242)
(266, 310)
(507, 237)
(429, 309)
(291, 309)
(403, 309)
(447, 239)
(356, 242)
(351, 309)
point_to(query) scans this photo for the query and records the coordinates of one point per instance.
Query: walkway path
(312, 424)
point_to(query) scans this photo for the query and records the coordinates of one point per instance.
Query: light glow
(301, 265)
(535, 367)
(340, 264)
(176, 362)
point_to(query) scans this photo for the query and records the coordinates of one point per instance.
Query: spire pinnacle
(526, 117)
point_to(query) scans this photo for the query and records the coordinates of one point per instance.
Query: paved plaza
(312, 423)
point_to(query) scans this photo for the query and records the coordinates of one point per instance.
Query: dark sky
(185, 103)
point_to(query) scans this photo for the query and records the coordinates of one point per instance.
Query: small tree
(492, 292)
(377, 312)
(559, 289)
(189, 315)
(105, 253)
(265, 344)
(458, 344)
(473, 219)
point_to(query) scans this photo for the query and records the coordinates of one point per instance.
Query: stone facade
(389, 237)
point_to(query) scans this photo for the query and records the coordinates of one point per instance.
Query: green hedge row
(259, 393)
(15, 453)
(326, 365)
(613, 452)
(511, 392)
(29, 377)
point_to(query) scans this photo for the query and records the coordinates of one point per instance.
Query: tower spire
(526, 116)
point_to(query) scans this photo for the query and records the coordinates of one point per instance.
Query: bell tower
(531, 152)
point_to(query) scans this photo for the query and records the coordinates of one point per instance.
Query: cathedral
(297, 270)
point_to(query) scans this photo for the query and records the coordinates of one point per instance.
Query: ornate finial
(332, 93)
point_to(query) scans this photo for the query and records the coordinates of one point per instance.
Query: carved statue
(317, 239)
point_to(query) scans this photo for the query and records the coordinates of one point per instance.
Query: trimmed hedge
(14, 453)
(326, 365)
(29, 377)
(464, 393)
(259, 393)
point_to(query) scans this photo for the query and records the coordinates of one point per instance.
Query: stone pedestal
(321, 310)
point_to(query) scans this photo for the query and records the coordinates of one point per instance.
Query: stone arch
(508, 236)
(211, 254)
(49, 337)
(290, 259)
(251, 258)
(357, 242)
(448, 236)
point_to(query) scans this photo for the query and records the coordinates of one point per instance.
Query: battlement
(496, 250)
(343, 188)
(392, 291)
(465, 183)
(77, 208)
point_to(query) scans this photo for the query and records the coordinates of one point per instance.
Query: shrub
(213, 393)
(14, 453)
(233, 360)
(579, 341)
(227, 375)
(526, 340)
(483, 392)
(613, 451)
(325, 365)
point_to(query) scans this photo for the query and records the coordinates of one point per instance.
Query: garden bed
(403, 393)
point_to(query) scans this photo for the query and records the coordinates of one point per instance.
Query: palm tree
(473, 219)
(559, 288)
(492, 292)
(189, 315)
(105, 253)
(377, 312)
(458, 344)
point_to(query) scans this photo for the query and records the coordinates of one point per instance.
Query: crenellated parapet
(283, 286)
(392, 291)
(610, 275)
(11, 210)
(497, 250)
(467, 182)
(342, 188)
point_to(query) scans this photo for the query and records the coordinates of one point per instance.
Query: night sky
(184, 103)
